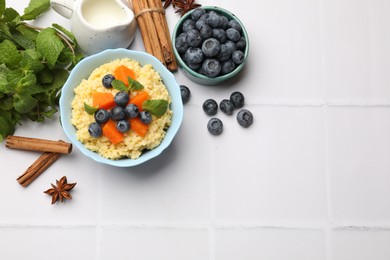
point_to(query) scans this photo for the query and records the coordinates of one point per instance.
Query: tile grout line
(328, 226)
(98, 229)
(212, 208)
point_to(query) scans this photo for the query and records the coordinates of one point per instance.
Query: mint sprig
(34, 65)
(90, 109)
(157, 107)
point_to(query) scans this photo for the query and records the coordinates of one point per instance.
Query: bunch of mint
(34, 65)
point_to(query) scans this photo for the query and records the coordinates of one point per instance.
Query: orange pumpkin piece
(138, 127)
(110, 131)
(122, 72)
(103, 100)
(139, 99)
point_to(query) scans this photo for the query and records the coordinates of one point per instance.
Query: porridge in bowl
(121, 110)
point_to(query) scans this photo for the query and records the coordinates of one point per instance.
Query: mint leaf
(9, 54)
(2, 7)
(11, 16)
(24, 103)
(64, 31)
(30, 61)
(23, 41)
(49, 45)
(35, 8)
(6, 104)
(7, 128)
(157, 107)
(134, 85)
(90, 109)
(119, 85)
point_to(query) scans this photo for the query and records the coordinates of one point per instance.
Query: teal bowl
(194, 75)
(82, 71)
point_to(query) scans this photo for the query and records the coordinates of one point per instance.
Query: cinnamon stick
(37, 168)
(36, 144)
(142, 27)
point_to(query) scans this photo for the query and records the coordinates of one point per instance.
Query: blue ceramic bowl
(192, 74)
(82, 71)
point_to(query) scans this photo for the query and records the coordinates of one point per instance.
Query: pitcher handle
(63, 7)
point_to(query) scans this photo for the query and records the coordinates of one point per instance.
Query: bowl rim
(84, 68)
(195, 74)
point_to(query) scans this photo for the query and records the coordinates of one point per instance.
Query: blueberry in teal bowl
(121, 107)
(210, 44)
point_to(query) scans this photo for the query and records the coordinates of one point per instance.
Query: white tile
(30, 205)
(274, 170)
(357, 57)
(359, 145)
(270, 243)
(172, 188)
(156, 243)
(60, 243)
(361, 244)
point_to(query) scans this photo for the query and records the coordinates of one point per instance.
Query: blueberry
(244, 118)
(193, 38)
(201, 23)
(225, 22)
(188, 25)
(131, 111)
(210, 107)
(238, 57)
(117, 113)
(185, 93)
(181, 44)
(226, 106)
(211, 47)
(206, 32)
(226, 51)
(211, 67)
(204, 17)
(102, 116)
(145, 117)
(194, 66)
(95, 130)
(214, 20)
(235, 25)
(194, 55)
(121, 98)
(237, 99)
(123, 126)
(215, 126)
(233, 35)
(219, 34)
(197, 13)
(241, 44)
(227, 66)
(107, 80)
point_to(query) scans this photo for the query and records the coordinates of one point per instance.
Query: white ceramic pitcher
(98, 24)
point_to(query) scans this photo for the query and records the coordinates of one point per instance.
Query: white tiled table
(310, 179)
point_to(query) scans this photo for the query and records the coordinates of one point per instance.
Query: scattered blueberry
(123, 126)
(237, 99)
(210, 107)
(185, 93)
(117, 113)
(227, 67)
(226, 106)
(101, 116)
(95, 130)
(238, 57)
(244, 118)
(107, 80)
(215, 126)
(211, 67)
(211, 47)
(131, 111)
(194, 55)
(121, 98)
(145, 117)
(193, 38)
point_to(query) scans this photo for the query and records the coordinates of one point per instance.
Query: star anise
(183, 6)
(60, 191)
